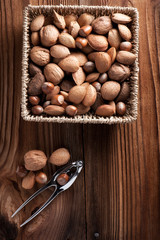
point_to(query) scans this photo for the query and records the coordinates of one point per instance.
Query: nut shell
(121, 18)
(79, 76)
(103, 62)
(124, 92)
(58, 20)
(69, 18)
(124, 32)
(114, 38)
(28, 181)
(85, 19)
(54, 110)
(110, 90)
(60, 157)
(40, 55)
(81, 57)
(67, 40)
(90, 97)
(105, 110)
(35, 160)
(74, 29)
(69, 64)
(125, 57)
(41, 178)
(102, 25)
(119, 72)
(53, 73)
(35, 85)
(49, 35)
(77, 94)
(59, 51)
(98, 42)
(37, 23)
(35, 38)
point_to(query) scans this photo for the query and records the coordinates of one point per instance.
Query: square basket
(131, 114)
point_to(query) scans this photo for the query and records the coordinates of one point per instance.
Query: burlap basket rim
(87, 118)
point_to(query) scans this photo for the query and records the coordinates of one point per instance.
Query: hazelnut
(21, 171)
(47, 87)
(62, 179)
(54, 92)
(34, 100)
(125, 46)
(60, 156)
(89, 67)
(37, 110)
(85, 30)
(121, 108)
(97, 86)
(35, 160)
(41, 178)
(103, 78)
(81, 42)
(47, 103)
(71, 110)
(57, 100)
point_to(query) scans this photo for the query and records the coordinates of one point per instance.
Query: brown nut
(57, 100)
(103, 78)
(54, 92)
(67, 84)
(49, 35)
(67, 40)
(99, 101)
(71, 110)
(87, 49)
(85, 30)
(62, 179)
(125, 57)
(35, 85)
(119, 72)
(77, 94)
(121, 18)
(89, 67)
(124, 32)
(46, 103)
(81, 109)
(47, 87)
(98, 42)
(121, 108)
(102, 25)
(81, 42)
(35, 40)
(59, 51)
(58, 20)
(85, 19)
(112, 53)
(40, 55)
(110, 90)
(64, 105)
(35, 160)
(33, 69)
(74, 29)
(124, 92)
(105, 110)
(97, 86)
(92, 56)
(21, 171)
(37, 110)
(34, 100)
(53, 73)
(28, 181)
(81, 57)
(37, 23)
(114, 38)
(41, 178)
(125, 46)
(69, 64)
(69, 18)
(90, 96)
(79, 76)
(92, 77)
(54, 110)
(65, 95)
(103, 62)
(60, 157)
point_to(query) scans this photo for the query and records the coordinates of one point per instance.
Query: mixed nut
(35, 160)
(80, 64)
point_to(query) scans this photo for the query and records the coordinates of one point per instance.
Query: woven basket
(29, 13)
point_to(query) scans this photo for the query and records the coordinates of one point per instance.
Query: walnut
(35, 160)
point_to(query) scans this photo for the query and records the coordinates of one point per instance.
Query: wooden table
(117, 196)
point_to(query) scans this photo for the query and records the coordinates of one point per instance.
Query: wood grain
(117, 194)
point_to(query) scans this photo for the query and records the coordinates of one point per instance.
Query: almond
(69, 64)
(49, 35)
(65, 95)
(92, 77)
(77, 94)
(90, 97)
(110, 90)
(98, 42)
(54, 110)
(118, 72)
(53, 73)
(69, 18)
(85, 19)
(92, 56)
(40, 55)
(79, 76)
(125, 57)
(35, 38)
(74, 28)
(103, 62)
(67, 40)
(81, 109)
(105, 110)
(114, 38)
(58, 20)
(112, 53)
(37, 23)
(35, 160)
(121, 18)
(59, 51)
(102, 25)
(124, 32)
(60, 157)
(124, 92)
(81, 57)
(28, 181)
(86, 84)
(99, 101)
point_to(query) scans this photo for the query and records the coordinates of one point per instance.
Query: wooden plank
(122, 162)
(59, 220)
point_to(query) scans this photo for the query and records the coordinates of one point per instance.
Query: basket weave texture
(132, 105)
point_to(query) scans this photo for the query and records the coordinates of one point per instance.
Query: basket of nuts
(80, 64)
